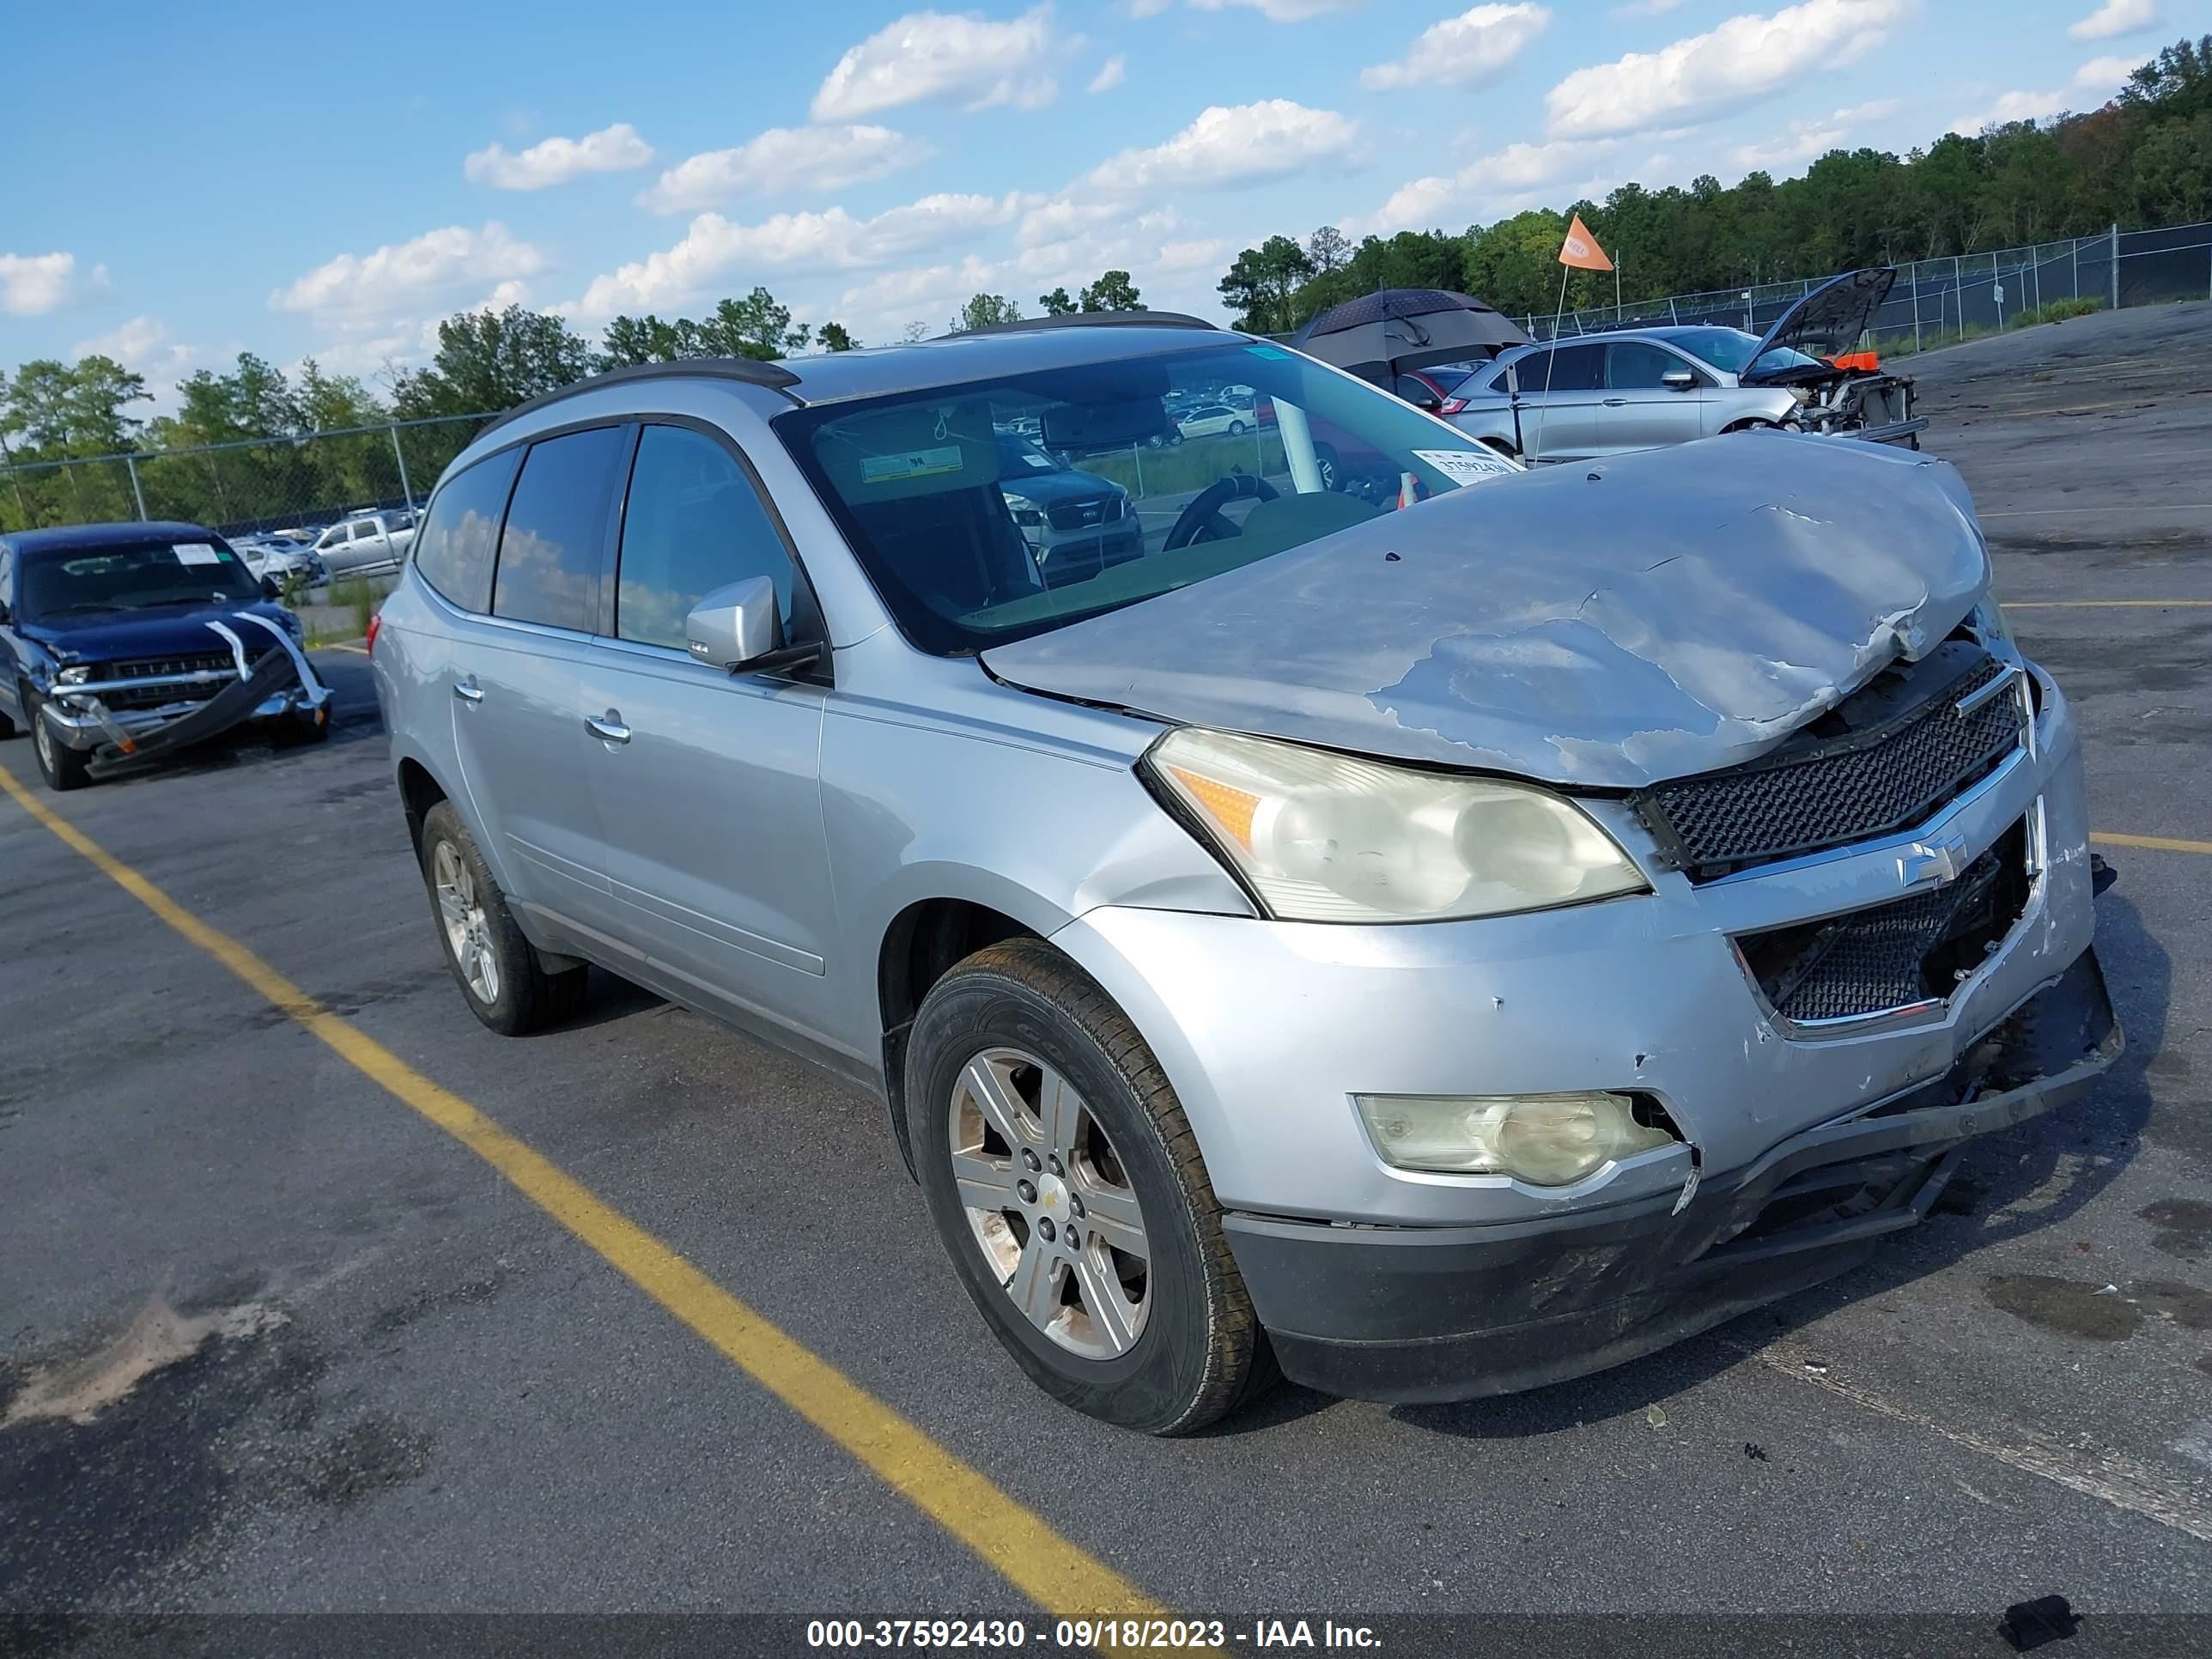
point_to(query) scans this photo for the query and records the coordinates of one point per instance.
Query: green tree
(833, 337)
(754, 326)
(1113, 291)
(1260, 283)
(1056, 303)
(628, 341)
(1329, 249)
(985, 309)
(489, 361)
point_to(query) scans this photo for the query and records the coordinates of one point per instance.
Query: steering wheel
(1201, 520)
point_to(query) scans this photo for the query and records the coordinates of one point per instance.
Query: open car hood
(1662, 614)
(1829, 319)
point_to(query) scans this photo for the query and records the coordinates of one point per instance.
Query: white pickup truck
(366, 544)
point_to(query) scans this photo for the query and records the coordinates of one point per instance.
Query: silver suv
(1437, 935)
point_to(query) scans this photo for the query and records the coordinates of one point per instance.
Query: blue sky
(184, 182)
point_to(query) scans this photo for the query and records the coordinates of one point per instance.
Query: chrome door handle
(1616, 402)
(468, 690)
(608, 726)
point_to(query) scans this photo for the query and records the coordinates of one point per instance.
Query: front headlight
(76, 676)
(1547, 1140)
(1024, 510)
(1324, 837)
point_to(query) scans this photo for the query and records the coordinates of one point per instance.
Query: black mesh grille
(1832, 794)
(1911, 950)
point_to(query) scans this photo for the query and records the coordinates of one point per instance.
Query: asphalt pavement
(407, 1387)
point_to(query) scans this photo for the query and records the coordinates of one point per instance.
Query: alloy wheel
(468, 931)
(1049, 1203)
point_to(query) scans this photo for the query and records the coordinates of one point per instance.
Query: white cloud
(713, 247)
(784, 158)
(1057, 220)
(616, 149)
(2013, 106)
(1810, 138)
(2116, 17)
(1111, 74)
(2104, 74)
(1276, 11)
(1735, 64)
(367, 286)
(1468, 50)
(1646, 7)
(1225, 147)
(932, 56)
(32, 284)
(143, 345)
(1516, 177)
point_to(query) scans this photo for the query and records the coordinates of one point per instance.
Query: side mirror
(1678, 380)
(740, 628)
(269, 589)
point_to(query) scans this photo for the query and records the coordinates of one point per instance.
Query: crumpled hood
(1606, 625)
(169, 630)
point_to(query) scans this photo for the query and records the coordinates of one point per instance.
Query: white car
(366, 545)
(1211, 420)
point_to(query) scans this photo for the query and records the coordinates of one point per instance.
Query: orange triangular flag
(1580, 250)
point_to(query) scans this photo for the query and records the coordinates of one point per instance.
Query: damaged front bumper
(1455, 1313)
(280, 684)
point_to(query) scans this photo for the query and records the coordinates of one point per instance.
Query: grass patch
(2056, 310)
(354, 593)
(1191, 464)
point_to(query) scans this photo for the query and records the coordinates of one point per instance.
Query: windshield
(919, 481)
(1730, 349)
(134, 577)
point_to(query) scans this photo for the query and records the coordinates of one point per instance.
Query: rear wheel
(1749, 426)
(1236, 428)
(61, 766)
(498, 969)
(1066, 1182)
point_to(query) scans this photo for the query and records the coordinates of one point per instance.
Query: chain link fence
(1940, 300)
(295, 483)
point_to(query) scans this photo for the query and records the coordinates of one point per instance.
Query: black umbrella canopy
(1385, 333)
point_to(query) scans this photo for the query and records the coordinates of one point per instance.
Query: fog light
(1547, 1140)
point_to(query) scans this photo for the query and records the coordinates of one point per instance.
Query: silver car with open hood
(1421, 926)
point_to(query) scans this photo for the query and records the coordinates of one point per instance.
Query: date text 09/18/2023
(1102, 1634)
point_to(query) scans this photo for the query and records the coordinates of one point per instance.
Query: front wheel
(1066, 1182)
(61, 766)
(497, 969)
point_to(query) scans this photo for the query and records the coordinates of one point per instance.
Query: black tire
(1200, 1351)
(527, 998)
(1753, 425)
(295, 729)
(1236, 428)
(61, 766)
(9, 728)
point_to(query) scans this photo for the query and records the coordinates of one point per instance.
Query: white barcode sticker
(195, 553)
(1466, 466)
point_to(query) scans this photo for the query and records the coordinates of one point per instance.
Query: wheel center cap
(1052, 1196)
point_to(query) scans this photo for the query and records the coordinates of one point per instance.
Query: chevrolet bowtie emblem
(1937, 862)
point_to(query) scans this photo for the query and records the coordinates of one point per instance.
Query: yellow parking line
(2105, 604)
(2156, 843)
(358, 650)
(1060, 1577)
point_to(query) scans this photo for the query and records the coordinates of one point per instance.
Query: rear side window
(364, 530)
(454, 552)
(694, 523)
(555, 543)
(1574, 368)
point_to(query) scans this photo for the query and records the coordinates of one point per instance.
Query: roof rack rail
(1089, 319)
(775, 376)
